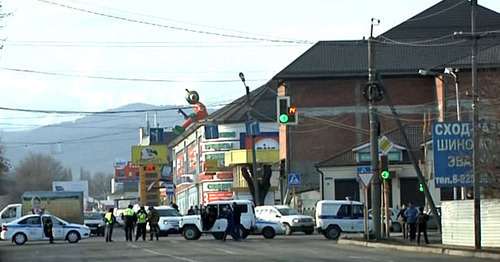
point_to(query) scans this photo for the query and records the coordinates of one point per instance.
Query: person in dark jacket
(230, 223)
(129, 217)
(421, 221)
(237, 222)
(153, 218)
(404, 225)
(47, 229)
(109, 220)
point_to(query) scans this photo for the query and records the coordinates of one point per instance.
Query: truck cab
(212, 220)
(10, 213)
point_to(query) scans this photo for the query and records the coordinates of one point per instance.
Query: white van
(336, 216)
(291, 219)
(213, 220)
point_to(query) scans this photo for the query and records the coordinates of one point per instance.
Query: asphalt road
(207, 249)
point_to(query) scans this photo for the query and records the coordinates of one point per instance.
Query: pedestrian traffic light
(421, 187)
(286, 114)
(384, 167)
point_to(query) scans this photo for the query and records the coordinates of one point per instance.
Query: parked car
(169, 220)
(268, 229)
(431, 224)
(30, 228)
(95, 221)
(291, 219)
(336, 216)
(396, 224)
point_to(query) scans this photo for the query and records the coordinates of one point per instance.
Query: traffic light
(384, 167)
(286, 114)
(421, 187)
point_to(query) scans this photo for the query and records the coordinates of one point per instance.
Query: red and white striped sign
(216, 195)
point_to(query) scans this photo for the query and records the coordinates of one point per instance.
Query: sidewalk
(396, 242)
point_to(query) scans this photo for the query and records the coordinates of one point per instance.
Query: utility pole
(475, 112)
(372, 93)
(254, 157)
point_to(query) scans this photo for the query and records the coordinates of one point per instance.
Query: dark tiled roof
(425, 41)
(263, 103)
(413, 132)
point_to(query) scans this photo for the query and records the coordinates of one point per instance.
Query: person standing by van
(237, 222)
(153, 218)
(230, 223)
(47, 229)
(110, 221)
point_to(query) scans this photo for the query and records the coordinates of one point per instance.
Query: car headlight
(296, 220)
(165, 222)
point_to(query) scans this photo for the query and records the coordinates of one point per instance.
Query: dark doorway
(346, 188)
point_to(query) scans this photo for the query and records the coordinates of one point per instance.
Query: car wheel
(244, 232)
(268, 232)
(218, 235)
(332, 232)
(309, 231)
(191, 233)
(396, 227)
(73, 237)
(288, 229)
(19, 239)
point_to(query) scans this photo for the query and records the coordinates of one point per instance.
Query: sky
(96, 55)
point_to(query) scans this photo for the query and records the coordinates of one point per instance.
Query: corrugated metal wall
(458, 222)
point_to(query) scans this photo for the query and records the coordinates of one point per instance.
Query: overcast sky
(52, 46)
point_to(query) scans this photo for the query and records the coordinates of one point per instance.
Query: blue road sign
(211, 131)
(453, 146)
(363, 169)
(252, 128)
(156, 134)
(293, 179)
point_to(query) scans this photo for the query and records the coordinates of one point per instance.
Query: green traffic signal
(384, 174)
(284, 118)
(421, 187)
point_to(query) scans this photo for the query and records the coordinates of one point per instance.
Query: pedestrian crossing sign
(293, 179)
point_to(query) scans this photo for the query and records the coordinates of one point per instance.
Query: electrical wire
(123, 78)
(174, 27)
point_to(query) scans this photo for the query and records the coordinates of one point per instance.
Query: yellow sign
(148, 155)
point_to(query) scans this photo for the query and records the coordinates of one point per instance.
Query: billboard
(72, 186)
(453, 146)
(149, 155)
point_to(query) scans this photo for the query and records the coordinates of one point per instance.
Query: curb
(432, 250)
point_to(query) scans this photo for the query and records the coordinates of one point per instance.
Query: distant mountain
(92, 142)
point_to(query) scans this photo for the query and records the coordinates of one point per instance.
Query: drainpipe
(322, 182)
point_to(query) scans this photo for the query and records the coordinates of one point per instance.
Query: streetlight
(451, 71)
(254, 157)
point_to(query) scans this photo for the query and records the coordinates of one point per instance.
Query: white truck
(213, 220)
(63, 204)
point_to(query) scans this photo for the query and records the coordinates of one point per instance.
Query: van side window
(357, 211)
(344, 211)
(243, 208)
(223, 210)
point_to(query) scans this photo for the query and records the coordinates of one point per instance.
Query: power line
(175, 27)
(122, 78)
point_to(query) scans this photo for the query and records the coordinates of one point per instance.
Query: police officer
(110, 220)
(142, 218)
(129, 219)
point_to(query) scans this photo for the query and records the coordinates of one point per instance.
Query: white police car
(268, 229)
(30, 228)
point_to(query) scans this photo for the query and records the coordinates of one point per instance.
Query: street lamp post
(254, 157)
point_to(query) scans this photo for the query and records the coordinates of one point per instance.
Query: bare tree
(100, 185)
(36, 172)
(4, 169)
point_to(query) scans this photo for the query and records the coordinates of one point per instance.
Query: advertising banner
(149, 155)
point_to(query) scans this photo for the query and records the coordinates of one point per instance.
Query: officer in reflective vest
(129, 219)
(110, 220)
(141, 224)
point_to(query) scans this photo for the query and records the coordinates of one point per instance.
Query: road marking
(226, 251)
(370, 258)
(163, 254)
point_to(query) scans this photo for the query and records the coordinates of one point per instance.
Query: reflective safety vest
(128, 212)
(141, 218)
(108, 218)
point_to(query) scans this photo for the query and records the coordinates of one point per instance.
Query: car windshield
(286, 211)
(93, 216)
(168, 213)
